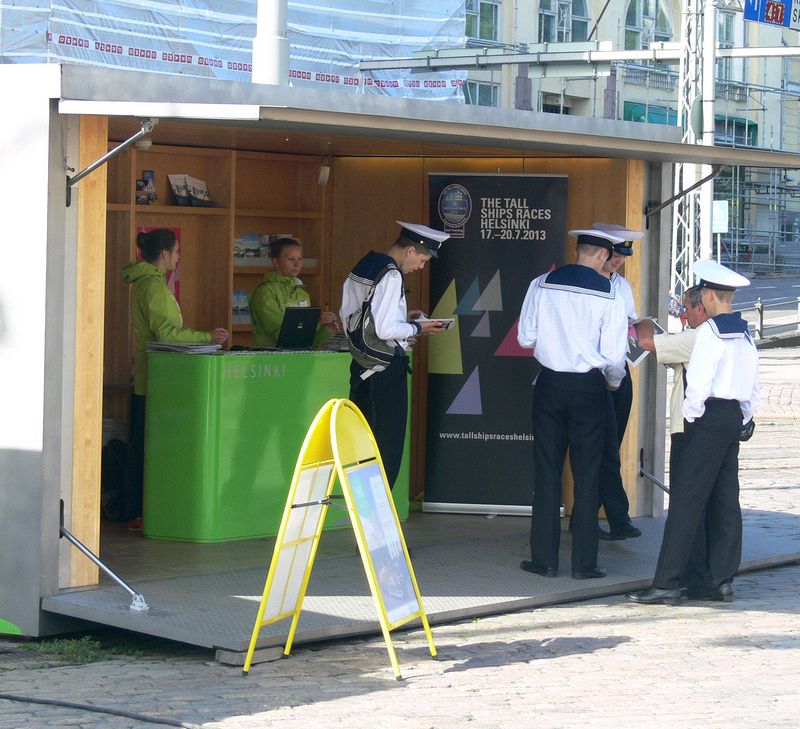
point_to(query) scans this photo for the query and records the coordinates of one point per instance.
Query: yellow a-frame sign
(340, 444)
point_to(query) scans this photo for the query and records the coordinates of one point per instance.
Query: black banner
(505, 230)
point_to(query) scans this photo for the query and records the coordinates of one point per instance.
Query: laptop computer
(298, 327)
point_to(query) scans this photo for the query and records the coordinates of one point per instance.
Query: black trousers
(134, 466)
(612, 492)
(704, 496)
(383, 398)
(569, 411)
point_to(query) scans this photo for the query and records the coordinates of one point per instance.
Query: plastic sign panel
(774, 12)
(719, 216)
(381, 532)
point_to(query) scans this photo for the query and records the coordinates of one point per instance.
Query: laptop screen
(298, 327)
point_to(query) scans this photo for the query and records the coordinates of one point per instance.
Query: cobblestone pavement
(598, 663)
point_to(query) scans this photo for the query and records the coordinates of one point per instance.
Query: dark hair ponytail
(152, 243)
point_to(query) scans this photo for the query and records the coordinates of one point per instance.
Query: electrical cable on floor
(100, 710)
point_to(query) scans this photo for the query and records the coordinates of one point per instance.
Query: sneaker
(135, 525)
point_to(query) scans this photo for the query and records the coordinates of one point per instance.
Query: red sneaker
(135, 525)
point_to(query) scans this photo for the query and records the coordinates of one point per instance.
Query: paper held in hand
(446, 323)
(635, 353)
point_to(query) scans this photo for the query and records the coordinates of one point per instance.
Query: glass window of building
(481, 93)
(725, 39)
(646, 22)
(482, 20)
(563, 21)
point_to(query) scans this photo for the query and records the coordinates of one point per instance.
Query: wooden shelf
(179, 210)
(118, 207)
(299, 214)
(242, 327)
(261, 270)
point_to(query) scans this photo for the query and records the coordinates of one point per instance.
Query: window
(481, 93)
(725, 39)
(563, 21)
(482, 20)
(646, 22)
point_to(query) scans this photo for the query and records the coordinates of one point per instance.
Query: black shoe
(626, 531)
(723, 593)
(529, 566)
(594, 574)
(656, 596)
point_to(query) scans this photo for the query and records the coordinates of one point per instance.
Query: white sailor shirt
(623, 289)
(575, 322)
(724, 364)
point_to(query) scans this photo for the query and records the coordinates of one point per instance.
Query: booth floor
(466, 566)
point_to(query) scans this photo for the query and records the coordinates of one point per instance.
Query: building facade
(757, 99)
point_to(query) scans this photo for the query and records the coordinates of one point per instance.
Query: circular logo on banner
(455, 207)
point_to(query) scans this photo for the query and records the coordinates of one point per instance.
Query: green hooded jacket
(155, 315)
(268, 302)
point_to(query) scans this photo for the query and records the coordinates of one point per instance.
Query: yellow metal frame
(338, 435)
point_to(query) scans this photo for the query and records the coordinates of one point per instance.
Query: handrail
(761, 305)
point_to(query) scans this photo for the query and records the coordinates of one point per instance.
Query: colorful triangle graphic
(509, 347)
(491, 299)
(444, 350)
(466, 307)
(468, 401)
(483, 329)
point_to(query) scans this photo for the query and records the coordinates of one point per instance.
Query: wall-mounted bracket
(147, 128)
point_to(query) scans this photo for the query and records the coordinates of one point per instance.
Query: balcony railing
(649, 77)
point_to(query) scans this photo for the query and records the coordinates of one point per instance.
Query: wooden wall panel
(88, 415)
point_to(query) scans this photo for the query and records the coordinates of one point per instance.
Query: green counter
(222, 437)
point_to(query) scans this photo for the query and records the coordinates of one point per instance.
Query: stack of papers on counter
(184, 347)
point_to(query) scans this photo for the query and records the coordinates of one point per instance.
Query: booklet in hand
(445, 323)
(635, 353)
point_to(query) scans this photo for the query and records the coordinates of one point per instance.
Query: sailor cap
(597, 237)
(422, 235)
(625, 248)
(714, 275)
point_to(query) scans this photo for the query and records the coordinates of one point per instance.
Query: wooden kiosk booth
(334, 169)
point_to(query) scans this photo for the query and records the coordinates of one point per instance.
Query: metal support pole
(138, 602)
(147, 128)
(759, 307)
(649, 476)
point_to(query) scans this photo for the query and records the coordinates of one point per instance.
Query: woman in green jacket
(282, 288)
(156, 317)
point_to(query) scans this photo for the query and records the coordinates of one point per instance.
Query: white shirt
(575, 329)
(388, 306)
(724, 366)
(623, 289)
(675, 350)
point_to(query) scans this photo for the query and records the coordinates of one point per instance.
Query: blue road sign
(774, 12)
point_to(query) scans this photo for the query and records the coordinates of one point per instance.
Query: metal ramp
(466, 565)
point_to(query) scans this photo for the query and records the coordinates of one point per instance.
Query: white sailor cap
(597, 237)
(714, 275)
(422, 235)
(625, 248)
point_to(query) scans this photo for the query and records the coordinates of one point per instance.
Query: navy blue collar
(371, 265)
(580, 279)
(729, 326)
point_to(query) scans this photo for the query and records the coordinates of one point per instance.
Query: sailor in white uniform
(576, 324)
(381, 391)
(613, 498)
(721, 395)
